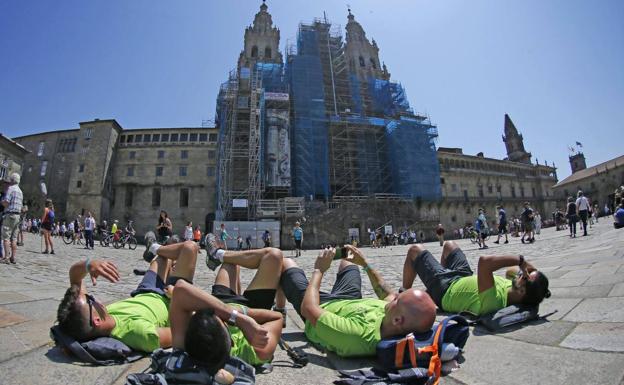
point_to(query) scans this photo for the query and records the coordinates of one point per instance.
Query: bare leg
(409, 273)
(228, 275)
(448, 247)
(185, 255)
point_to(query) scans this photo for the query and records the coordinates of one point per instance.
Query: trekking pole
(299, 357)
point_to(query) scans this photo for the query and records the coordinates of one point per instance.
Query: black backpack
(99, 351)
(178, 368)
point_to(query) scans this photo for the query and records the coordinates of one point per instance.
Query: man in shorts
(342, 321)
(12, 203)
(455, 289)
(252, 331)
(502, 224)
(142, 321)
(527, 223)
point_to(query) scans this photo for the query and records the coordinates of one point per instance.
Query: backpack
(99, 351)
(178, 368)
(422, 354)
(508, 316)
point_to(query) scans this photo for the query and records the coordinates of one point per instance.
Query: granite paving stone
(618, 290)
(598, 310)
(606, 337)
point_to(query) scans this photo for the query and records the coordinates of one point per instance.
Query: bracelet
(87, 263)
(244, 309)
(368, 267)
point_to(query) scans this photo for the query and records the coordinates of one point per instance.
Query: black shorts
(484, 235)
(298, 243)
(256, 299)
(438, 279)
(152, 283)
(46, 226)
(348, 285)
(502, 228)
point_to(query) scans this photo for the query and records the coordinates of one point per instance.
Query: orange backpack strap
(435, 364)
(399, 353)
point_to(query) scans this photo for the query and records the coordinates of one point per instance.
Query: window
(44, 167)
(156, 138)
(212, 154)
(81, 168)
(254, 51)
(373, 64)
(122, 139)
(480, 191)
(362, 63)
(41, 148)
(184, 154)
(182, 170)
(88, 133)
(522, 191)
(79, 184)
(130, 138)
(210, 171)
(183, 137)
(513, 191)
(212, 137)
(441, 180)
(164, 137)
(203, 137)
(156, 197)
(138, 138)
(193, 138)
(161, 154)
(490, 189)
(132, 155)
(184, 197)
(130, 171)
(267, 53)
(129, 196)
(533, 192)
(466, 195)
(159, 170)
(174, 137)
(147, 138)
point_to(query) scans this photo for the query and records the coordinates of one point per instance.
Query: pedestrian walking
(89, 227)
(47, 221)
(502, 224)
(12, 204)
(440, 233)
(572, 216)
(582, 210)
(297, 234)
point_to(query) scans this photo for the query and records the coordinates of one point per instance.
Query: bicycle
(71, 237)
(127, 238)
(474, 236)
(106, 238)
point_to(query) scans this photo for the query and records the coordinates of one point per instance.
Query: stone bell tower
(261, 41)
(362, 55)
(515, 143)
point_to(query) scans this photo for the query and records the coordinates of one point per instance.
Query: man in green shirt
(142, 321)
(198, 319)
(342, 321)
(454, 288)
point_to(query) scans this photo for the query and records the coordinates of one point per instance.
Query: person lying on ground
(454, 288)
(252, 331)
(344, 322)
(142, 321)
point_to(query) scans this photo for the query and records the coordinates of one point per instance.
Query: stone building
(598, 182)
(123, 174)
(11, 159)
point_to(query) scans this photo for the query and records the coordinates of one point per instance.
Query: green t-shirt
(349, 327)
(137, 320)
(463, 295)
(241, 348)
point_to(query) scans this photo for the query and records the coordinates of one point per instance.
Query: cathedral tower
(577, 162)
(515, 143)
(362, 55)
(261, 41)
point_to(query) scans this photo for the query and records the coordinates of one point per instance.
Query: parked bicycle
(106, 238)
(71, 237)
(121, 240)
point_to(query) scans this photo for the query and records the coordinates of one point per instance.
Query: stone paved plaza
(582, 343)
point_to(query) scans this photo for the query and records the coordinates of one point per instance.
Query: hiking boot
(284, 315)
(150, 239)
(211, 250)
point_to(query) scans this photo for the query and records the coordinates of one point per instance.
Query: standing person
(537, 219)
(371, 235)
(619, 217)
(482, 229)
(582, 210)
(223, 236)
(239, 243)
(502, 224)
(595, 212)
(12, 203)
(440, 233)
(572, 217)
(266, 237)
(188, 231)
(248, 241)
(89, 227)
(47, 221)
(22, 226)
(527, 223)
(164, 229)
(298, 237)
(197, 234)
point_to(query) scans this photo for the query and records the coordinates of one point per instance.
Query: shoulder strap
(72, 345)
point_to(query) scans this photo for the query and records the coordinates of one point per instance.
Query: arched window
(362, 63)
(267, 53)
(254, 51)
(373, 64)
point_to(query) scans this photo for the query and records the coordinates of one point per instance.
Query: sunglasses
(90, 301)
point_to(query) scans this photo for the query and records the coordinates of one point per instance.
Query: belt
(13, 213)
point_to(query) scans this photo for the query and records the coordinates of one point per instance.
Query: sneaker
(496, 242)
(52, 252)
(45, 252)
(522, 240)
(150, 239)
(506, 241)
(284, 315)
(211, 250)
(486, 247)
(139, 272)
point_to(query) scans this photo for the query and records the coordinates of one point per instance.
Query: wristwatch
(520, 260)
(233, 316)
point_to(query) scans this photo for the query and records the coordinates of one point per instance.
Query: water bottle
(449, 352)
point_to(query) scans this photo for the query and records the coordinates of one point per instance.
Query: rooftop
(594, 170)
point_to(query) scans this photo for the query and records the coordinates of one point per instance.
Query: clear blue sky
(556, 67)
